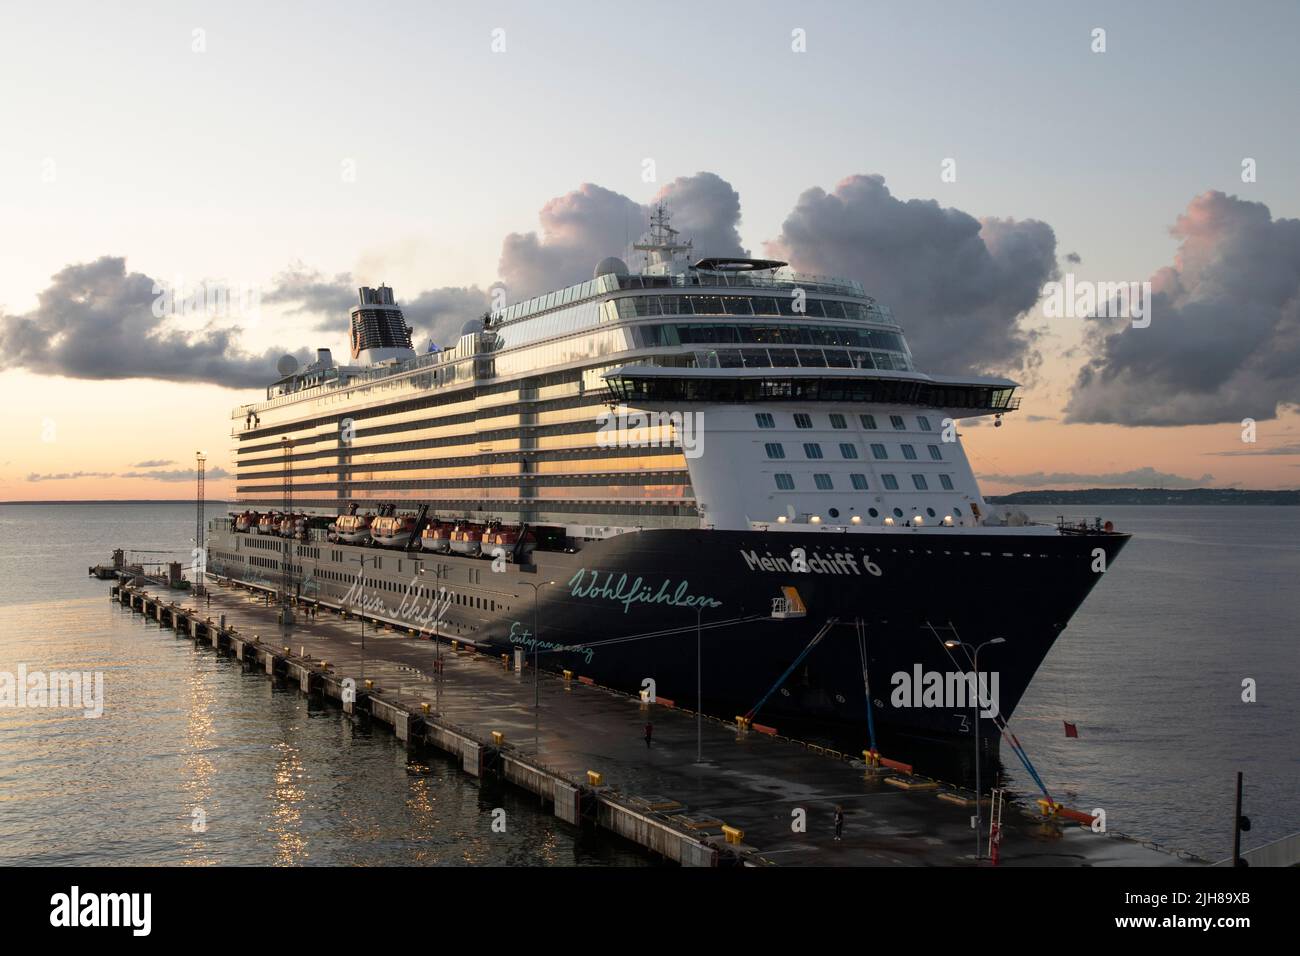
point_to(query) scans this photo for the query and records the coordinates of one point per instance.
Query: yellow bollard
(425, 707)
(594, 779)
(498, 738)
(370, 685)
(742, 723)
(568, 675)
(734, 835)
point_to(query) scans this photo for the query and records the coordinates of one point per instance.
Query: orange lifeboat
(436, 537)
(392, 531)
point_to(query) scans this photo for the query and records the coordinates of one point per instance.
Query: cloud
(154, 463)
(306, 290)
(958, 285)
(1292, 449)
(438, 315)
(1073, 258)
(435, 314)
(1224, 338)
(67, 475)
(1146, 477)
(584, 226)
(96, 321)
(179, 474)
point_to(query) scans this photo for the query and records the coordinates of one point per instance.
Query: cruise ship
(701, 472)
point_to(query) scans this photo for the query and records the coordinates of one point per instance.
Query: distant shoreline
(1148, 496)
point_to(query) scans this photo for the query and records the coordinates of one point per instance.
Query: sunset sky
(955, 157)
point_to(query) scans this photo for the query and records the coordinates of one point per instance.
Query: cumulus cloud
(154, 463)
(1146, 477)
(95, 320)
(1224, 338)
(1073, 258)
(958, 285)
(584, 226)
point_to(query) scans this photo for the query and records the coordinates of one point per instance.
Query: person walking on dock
(839, 822)
(649, 732)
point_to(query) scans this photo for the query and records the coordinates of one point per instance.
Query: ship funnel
(323, 358)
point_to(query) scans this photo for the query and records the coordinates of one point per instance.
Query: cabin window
(775, 449)
(891, 483)
(803, 421)
(823, 482)
(812, 449)
(785, 482)
(897, 422)
(919, 481)
(765, 420)
(848, 450)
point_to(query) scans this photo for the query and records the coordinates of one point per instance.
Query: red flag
(1070, 729)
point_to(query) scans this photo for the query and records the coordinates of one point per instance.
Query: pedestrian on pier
(649, 732)
(839, 822)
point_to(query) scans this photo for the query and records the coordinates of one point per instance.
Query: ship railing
(1080, 524)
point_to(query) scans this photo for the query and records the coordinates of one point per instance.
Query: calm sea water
(279, 780)
(1150, 670)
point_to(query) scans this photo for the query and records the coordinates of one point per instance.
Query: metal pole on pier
(975, 664)
(699, 693)
(537, 688)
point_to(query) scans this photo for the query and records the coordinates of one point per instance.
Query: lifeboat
(436, 537)
(293, 526)
(269, 523)
(467, 539)
(392, 531)
(508, 539)
(352, 528)
(246, 521)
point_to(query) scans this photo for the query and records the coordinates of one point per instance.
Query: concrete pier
(753, 798)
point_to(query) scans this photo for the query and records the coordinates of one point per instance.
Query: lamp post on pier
(975, 664)
(537, 689)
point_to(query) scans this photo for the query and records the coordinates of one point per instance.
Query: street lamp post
(975, 663)
(699, 694)
(537, 687)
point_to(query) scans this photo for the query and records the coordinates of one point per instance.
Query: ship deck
(659, 797)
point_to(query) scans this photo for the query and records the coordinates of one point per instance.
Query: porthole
(839, 698)
(873, 512)
(834, 512)
(898, 512)
(930, 512)
(956, 512)
(785, 692)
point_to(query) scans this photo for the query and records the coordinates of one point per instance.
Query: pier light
(947, 519)
(780, 519)
(918, 521)
(890, 522)
(856, 519)
(816, 519)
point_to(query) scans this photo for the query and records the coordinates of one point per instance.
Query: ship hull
(624, 613)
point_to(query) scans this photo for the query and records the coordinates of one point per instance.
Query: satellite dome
(286, 366)
(610, 265)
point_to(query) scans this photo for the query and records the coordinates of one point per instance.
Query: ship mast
(661, 244)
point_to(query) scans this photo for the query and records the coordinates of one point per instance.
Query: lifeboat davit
(436, 537)
(352, 529)
(392, 531)
(467, 539)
